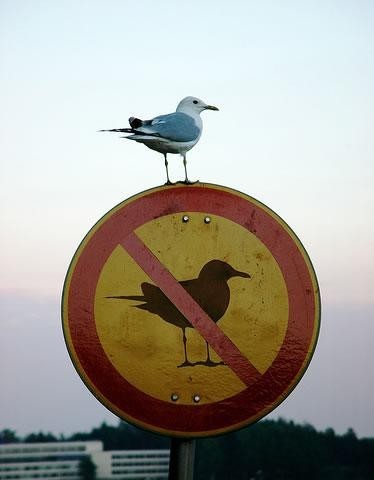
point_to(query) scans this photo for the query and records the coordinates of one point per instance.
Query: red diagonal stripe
(222, 345)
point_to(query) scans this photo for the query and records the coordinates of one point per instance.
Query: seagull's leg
(185, 168)
(168, 182)
(186, 179)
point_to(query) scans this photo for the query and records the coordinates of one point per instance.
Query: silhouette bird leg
(208, 359)
(186, 362)
(209, 362)
(168, 182)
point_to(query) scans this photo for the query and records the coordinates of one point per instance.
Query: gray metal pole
(182, 459)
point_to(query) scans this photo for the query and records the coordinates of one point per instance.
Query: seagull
(210, 290)
(174, 132)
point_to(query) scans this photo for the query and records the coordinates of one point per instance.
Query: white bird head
(193, 105)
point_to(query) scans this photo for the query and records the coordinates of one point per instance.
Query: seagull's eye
(195, 102)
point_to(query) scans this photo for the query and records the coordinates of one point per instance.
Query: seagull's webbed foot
(187, 181)
(168, 182)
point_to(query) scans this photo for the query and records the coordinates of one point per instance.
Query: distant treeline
(267, 450)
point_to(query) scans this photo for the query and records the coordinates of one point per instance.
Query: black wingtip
(135, 122)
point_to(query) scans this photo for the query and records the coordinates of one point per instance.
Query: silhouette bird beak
(241, 274)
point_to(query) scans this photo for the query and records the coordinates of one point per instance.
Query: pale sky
(294, 84)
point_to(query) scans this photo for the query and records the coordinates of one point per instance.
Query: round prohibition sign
(191, 310)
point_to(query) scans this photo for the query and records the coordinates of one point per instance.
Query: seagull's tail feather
(122, 130)
(136, 134)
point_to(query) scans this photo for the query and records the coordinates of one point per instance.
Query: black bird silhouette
(210, 290)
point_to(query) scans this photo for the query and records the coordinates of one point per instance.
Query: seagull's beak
(211, 107)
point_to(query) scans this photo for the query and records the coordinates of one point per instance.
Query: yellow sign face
(147, 350)
(191, 310)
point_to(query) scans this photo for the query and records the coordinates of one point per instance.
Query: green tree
(8, 436)
(87, 469)
(40, 437)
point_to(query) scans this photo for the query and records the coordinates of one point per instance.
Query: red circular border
(157, 415)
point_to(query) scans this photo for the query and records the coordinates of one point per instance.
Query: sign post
(191, 310)
(182, 459)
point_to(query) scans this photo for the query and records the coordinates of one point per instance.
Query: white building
(132, 464)
(47, 461)
(60, 460)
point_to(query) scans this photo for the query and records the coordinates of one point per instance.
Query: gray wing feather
(177, 127)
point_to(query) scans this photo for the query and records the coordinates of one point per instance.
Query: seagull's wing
(177, 127)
